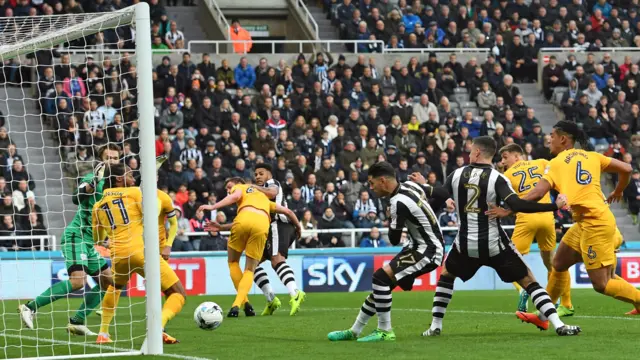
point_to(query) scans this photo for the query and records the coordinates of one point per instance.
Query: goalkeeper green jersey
(80, 227)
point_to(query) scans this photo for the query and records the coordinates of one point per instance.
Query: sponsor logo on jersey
(337, 273)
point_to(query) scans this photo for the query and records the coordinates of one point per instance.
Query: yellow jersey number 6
(583, 177)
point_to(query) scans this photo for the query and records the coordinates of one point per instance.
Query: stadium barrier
(352, 235)
(303, 11)
(195, 46)
(47, 242)
(25, 274)
(617, 55)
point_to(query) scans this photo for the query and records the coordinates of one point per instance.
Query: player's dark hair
(571, 129)
(486, 144)
(382, 169)
(111, 173)
(265, 166)
(512, 148)
(108, 146)
(235, 180)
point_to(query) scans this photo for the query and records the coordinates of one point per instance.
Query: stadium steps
(188, 22)
(41, 156)
(326, 30)
(545, 111)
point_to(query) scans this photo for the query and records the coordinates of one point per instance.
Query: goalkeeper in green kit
(81, 257)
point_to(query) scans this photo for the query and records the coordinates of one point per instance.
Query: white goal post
(21, 36)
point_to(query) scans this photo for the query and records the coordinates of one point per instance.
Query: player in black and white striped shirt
(481, 241)
(281, 235)
(421, 254)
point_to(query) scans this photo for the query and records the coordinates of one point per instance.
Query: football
(208, 315)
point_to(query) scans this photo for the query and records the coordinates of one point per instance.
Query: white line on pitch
(625, 318)
(96, 346)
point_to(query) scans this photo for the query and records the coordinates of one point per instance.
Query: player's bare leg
(546, 308)
(285, 273)
(175, 300)
(441, 299)
(92, 300)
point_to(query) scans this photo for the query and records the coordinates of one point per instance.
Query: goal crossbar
(46, 32)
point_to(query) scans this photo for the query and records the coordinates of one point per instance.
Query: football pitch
(478, 325)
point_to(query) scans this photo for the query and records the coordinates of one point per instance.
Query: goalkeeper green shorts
(81, 255)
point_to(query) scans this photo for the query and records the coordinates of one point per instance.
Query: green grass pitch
(478, 325)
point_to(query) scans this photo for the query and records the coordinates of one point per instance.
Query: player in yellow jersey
(576, 174)
(249, 232)
(118, 217)
(524, 176)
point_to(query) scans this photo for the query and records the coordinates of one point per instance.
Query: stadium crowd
(319, 125)
(512, 29)
(321, 122)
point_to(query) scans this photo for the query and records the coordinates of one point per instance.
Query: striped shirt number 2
(475, 189)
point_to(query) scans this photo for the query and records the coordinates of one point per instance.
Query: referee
(482, 241)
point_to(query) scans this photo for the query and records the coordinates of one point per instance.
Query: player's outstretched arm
(624, 176)
(437, 195)
(228, 200)
(291, 216)
(270, 191)
(524, 206)
(538, 191)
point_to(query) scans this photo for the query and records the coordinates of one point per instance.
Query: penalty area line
(96, 346)
(475, 312)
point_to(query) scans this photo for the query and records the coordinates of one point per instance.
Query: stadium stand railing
(352, 234)
(219, 16)
(47, 242)
(300, 43)
(435, 50)
(302, 9)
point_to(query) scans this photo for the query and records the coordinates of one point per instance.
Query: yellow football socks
(172, 306)
(109, 304)
(565, 297)
(517, 286)
(558, 282)
(243, 289)
(619, 289)
(236, 276)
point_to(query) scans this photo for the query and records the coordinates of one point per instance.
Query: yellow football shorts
(124, 266)
(596, 240)
(249, 234)
(540, 227)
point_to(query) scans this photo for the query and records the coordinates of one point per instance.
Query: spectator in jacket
(423, 108)
(373, 239)
(486, 98)
(330, 221)
(632, 195)
(308, 223)
(226, 74)
(244, 74)
(172, 119)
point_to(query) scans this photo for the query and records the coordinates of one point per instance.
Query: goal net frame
(78, 27)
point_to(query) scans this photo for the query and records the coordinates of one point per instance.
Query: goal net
(70, 86)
